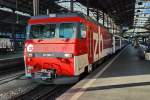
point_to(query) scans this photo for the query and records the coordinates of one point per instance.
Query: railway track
(44, 92)
(11, 73)
(11, 77)
(10, 70)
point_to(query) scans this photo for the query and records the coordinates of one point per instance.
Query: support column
(107, 21)
(114, 44)
(71, 6)
(35, 7)
(47, 11)
(97, 15)
(113, 28)
(17, 16)
(103, 18)
(14, 36)
(145, 40)
(87, 7)
(120, 43)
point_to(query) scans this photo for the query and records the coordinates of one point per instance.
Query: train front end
(50, 49)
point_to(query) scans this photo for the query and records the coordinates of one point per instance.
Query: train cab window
(59, 30)
(82, 32)
(67, 30)
(43, 31)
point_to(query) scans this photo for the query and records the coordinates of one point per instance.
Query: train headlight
(30, 55)
(67, 55)
(30, 48)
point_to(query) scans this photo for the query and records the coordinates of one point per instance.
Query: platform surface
(125, 77)
(11, 55)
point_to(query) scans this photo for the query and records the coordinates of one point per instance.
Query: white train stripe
(106, 52)
(80, 62)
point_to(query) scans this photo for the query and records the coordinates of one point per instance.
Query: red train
(60, 47)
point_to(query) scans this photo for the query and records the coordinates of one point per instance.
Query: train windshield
(43, 31)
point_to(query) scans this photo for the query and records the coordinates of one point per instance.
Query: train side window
(82, 31)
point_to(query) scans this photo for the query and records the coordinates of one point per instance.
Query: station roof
(9, 18)
(27, 5)
(121, 10)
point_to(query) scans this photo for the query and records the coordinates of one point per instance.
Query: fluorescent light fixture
(23, 14)
(6, 9)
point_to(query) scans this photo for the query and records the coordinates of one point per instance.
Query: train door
(114, 43)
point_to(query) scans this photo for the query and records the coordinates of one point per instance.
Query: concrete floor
(15, 87)
(11, 60)
(126, 78)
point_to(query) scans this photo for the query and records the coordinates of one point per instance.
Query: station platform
(124, 77)
(11, 55)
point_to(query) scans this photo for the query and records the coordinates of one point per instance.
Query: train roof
(58, 15)
(73, 14)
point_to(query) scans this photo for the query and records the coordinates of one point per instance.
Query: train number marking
(95, 37)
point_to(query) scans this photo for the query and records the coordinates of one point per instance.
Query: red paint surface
(77, 47)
